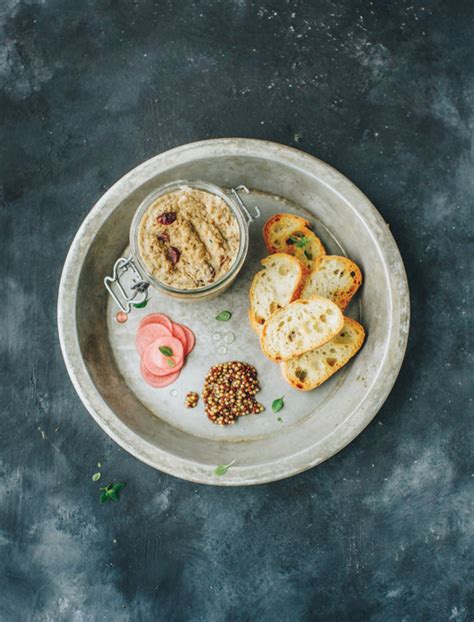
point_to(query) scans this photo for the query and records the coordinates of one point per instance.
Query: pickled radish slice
(157, 363)
(149, 333)
(157, 382)
(179, 333)
(190, 338)
(157, 318)
(149, 360)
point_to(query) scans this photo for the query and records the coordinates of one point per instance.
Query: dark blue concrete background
(384, 92)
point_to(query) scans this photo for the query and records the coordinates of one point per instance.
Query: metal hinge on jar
(127, 286)
(235, 192)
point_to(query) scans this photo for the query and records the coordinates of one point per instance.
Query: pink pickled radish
(179, 333)
(157, 318)
(190, 338)
(156, 362)
(149, 333)
(157, 382)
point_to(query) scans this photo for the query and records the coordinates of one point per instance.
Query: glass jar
(131, 278)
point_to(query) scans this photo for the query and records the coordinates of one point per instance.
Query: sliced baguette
(311, 369)
(274, 287)
(334, 277)
(301, 326)
(287, 233)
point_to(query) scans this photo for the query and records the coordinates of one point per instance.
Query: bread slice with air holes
(334, 277)
(301, 326)
(287, 233)
(311, 369)
(274, 287)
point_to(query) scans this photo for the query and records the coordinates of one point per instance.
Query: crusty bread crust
(344, 285)
(331, 331)
(256, 322)
(280, 227)
(289, 368)
(297, 222)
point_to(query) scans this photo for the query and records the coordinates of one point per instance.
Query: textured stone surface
(383, 531)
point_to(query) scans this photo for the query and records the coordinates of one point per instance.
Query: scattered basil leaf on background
(96, 477)
(224, 316)
(278, 404)
(165, 351)
(111, 492)
(99, 464)
(280, 420)
(223, 468)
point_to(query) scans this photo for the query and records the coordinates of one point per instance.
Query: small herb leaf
(223, 468)
(308, 255)
(170, 362)
(224, 316)
(110, 492)
(280, 420)
(278, 404)
(166, 351)
(302, 242)
(96, 477)
(141, 305)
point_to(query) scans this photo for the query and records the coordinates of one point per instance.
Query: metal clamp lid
(235, 192)
(126, 285)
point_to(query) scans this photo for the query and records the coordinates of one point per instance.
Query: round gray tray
(154, 425)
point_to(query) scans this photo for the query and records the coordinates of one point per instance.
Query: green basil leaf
(111, 492)
(224, 316)
(141, 305)
(302, 242)
(96, 477)
(277, 405)
(308, 255)
(170, 362)
(280, 420)
(166, 351)
(223, 468)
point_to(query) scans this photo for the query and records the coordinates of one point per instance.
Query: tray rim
(174, 465)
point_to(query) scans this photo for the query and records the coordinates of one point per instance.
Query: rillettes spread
(188, 238)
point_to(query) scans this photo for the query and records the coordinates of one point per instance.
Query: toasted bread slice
(311, 369)
(333, 277)
(287, 233)
(301, 326)
(274, 287)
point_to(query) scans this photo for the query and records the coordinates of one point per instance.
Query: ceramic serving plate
(153, 424)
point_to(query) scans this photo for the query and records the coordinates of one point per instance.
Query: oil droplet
(217, 336)
(229, 337)
(222, 350)
(121, 317)
(173, 393)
